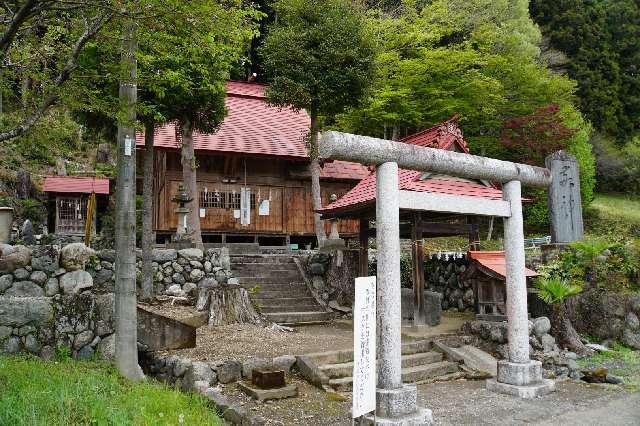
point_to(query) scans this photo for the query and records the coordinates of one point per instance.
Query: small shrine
(487, 271)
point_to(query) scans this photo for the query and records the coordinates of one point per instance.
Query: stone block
(164, 255)
(420, 417)
(158, 332)
(286, 391)
(229, 371)
(518, 374)
(75, 256)
(265, 379)
(75, 281)
(543, 387)
(407, 303)
(541, 326)
(432, 307)
(396, 402)
(45, 258)
(191, 254)
(24, 289)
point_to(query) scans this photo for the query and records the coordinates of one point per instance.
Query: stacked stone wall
(444, 276)
(62, 298)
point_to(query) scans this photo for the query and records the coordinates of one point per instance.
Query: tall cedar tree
(184, 66)
(602, 41)
(318, 57)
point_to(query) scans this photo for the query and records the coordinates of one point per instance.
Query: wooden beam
(417, 263)
(461, 204)
(363, 261)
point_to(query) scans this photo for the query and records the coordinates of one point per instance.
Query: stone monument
(565, 204)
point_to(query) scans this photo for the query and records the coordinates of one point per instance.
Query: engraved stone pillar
(396, 403)
(518, 375)
(565, 204)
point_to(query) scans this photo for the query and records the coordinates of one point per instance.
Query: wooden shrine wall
(290, 205)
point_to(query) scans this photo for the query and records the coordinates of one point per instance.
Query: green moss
(66, 392)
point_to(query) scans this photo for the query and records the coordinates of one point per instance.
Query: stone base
(519, 374)
(421, 417)
(400, 407)
(533, 390)
(287, 391)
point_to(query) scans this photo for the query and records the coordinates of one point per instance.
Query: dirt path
(625, 411)
(469, 403)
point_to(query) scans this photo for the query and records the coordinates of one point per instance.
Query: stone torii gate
(396, 403)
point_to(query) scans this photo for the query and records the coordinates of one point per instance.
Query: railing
(534, 243)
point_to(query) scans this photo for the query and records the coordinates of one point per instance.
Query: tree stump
(228, 304)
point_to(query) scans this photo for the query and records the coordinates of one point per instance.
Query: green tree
(318, 56)
(555, 292)
(601, 40)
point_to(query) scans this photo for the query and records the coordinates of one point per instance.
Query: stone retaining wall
(203, 378)
(52, 297)
(443, 276)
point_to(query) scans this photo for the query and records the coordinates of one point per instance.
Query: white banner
(245, 206)
(364, 347)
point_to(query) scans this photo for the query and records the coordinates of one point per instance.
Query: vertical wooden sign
(364, 347)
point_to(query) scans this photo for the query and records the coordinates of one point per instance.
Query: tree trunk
(314, 169)
(563, 330)
(190, 182)
(490, 232)
(126, 341)
(146, 288)
(228, 305)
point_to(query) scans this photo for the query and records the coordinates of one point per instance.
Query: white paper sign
(263, 209)
(203, 213)
(128, 145)
(236, 214)
(364, 347)
(245, 206)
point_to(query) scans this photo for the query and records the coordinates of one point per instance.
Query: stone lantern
(182, 199)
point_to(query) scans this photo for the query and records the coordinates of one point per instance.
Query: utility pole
(126, 350)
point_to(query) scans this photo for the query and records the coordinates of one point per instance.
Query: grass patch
(624, 207)
(36, 392)
(621, 361)
(613, 216)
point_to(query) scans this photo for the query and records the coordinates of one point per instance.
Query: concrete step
(285, 301)
(264, 270)
(336, 357)
(266, 259)
(268, 309)
(299, 317)
(274, 279)
(281, 294)
(428, 371)
(274, 286)
(409, 375)
(346, 369)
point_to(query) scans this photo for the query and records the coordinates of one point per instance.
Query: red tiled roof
(253, 127)
(443, 136)
(76, 184)
(365, 191)
(494, 260)
(344, 170)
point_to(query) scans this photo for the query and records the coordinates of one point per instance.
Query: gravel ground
(469, 403)
(459, 402)
(244, 341)
(312, 407)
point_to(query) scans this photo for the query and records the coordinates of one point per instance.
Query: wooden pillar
(474, 236)
(417, 266)
(363, 267)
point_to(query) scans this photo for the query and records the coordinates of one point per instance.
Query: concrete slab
(287, 391)
(158, 332)
(477, 359)
(534, 390)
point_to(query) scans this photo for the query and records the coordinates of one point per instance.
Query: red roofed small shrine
(70, 195)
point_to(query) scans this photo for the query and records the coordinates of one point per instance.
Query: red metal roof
(252, 127)
(76, 184)
(494, 260)
(365, 191)
(344, 170)
(444, 136)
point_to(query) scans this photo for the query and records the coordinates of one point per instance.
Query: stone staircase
(282, 294)
(419, 363)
